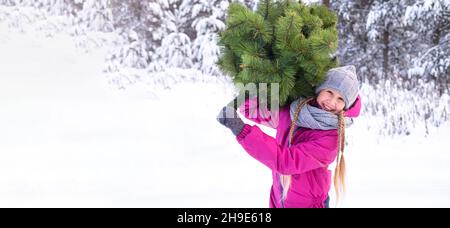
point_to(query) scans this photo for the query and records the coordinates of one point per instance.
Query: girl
(310, 136)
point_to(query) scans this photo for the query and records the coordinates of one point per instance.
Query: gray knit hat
(344, 80)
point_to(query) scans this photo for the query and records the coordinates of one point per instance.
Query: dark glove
(229, 118)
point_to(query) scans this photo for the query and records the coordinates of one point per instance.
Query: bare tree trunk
(437, 33)
(386, 53)
(435, 38)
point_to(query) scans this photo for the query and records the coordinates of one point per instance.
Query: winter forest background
(401, 49)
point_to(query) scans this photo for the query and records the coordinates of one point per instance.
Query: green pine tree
(285, 42)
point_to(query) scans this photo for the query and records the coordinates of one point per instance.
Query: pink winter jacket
(306, 160)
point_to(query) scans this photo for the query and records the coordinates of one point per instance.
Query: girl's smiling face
(331, 100)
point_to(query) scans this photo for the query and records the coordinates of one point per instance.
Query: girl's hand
(229, 118)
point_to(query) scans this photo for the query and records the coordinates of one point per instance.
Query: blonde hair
(339, 172)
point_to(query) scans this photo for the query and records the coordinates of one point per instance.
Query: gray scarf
(316, 118)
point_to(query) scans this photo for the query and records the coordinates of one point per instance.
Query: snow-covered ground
(67, 139)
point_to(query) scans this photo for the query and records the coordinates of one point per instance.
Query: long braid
(339, 174)
(296, 114)
(286, 179)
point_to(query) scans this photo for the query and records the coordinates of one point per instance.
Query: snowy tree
(204, 21)
(353, 41)
(7, 2)
(134, 52)
(127, 13)
(375, 39)
(207, 18)
(139, 24)
(53, 7)
(431, 19)
(96, 15)
(394, 46)
(141, 16)
(159, 24)
(388, 36)
(175, 49)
